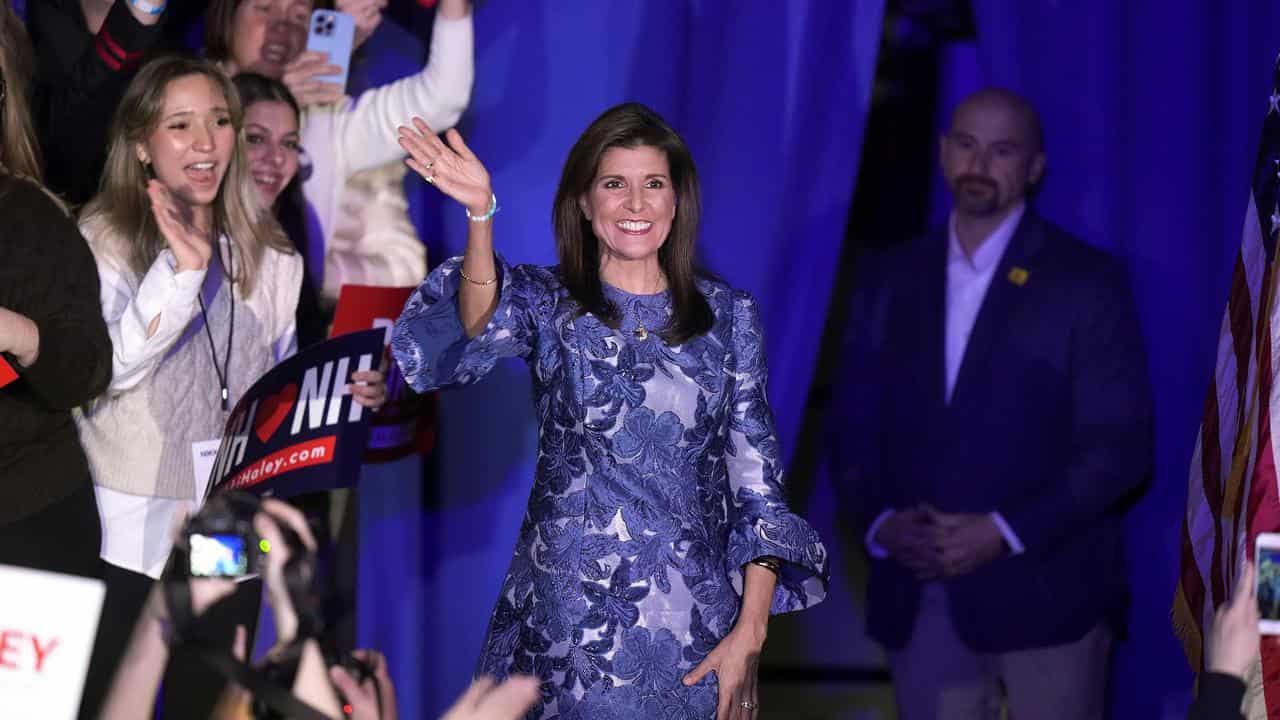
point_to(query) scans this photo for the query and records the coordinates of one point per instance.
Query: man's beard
(976, 195)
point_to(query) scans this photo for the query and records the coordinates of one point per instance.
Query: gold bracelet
(473, 281)
(768, 562)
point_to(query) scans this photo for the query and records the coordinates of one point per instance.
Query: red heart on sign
(273, 411)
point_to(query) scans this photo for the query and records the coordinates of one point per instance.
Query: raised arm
(459, 174)
(438, 93)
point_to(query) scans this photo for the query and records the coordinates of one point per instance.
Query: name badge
(203, 455)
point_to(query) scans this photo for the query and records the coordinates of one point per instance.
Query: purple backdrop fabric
(1151, 113)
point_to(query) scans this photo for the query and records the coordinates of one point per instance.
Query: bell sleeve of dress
(760, 522)
(430, 345)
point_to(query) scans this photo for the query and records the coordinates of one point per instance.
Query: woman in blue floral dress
(657, 540)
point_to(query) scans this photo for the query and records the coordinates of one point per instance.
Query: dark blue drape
(1151, 112)
(772, 99)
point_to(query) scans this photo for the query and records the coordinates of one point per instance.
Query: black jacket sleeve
(1219, 699)
(63, 300)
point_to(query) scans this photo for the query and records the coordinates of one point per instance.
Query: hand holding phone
(1267, 588)
(1231, 642)
(333, 33)
(302, 77)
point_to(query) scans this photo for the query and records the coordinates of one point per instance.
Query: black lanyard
(224, 372)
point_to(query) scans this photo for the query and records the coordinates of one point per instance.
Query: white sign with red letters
(47, 626)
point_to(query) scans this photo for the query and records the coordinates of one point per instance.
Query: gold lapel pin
(1018, 276)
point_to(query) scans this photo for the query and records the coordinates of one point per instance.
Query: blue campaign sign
(298, 429)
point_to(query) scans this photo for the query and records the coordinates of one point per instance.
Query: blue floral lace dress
(658, 478)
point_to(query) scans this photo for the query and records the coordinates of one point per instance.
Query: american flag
(1233, 494)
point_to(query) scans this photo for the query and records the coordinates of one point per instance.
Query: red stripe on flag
(1193, 587)
(1265, 517)
(1264, 505)
(1211, 477)
(1243, 332)
(1240, 310)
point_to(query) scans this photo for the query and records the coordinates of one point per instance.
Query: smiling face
(271, 146)
(631, 203)
(191, 147)
(268, 34)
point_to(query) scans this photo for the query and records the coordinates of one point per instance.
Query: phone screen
(218, 556)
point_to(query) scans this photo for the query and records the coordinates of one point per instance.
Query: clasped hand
(934, 544)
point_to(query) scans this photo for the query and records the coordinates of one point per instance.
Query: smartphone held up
(1267, 562)
(333, 33)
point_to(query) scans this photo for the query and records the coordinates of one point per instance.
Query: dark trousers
(190, 688)
(65, 537)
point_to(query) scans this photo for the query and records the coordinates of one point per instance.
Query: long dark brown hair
(632, 125)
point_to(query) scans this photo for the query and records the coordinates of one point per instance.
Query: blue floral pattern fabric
(658, 479)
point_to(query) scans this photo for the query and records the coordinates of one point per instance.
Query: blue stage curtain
(772, 98)
(1151, 113)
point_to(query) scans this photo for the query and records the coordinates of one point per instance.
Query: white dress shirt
(968, 278)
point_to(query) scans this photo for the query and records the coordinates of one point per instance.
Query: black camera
(220, 539)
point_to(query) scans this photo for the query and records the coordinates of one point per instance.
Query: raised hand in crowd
(374, 698)
(486, 701)
(138, 673)
(311, 684)
(192, 246)
(1231, 648)
(1233, 639)
(301, 76)
(459, 174)
(137, 680)
(451, 167)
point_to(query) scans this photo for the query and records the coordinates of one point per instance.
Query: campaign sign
(7, 373)
(298, 429)
(406, 423)
(48, 622)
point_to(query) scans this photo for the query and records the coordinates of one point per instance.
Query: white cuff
(164, 287)
(875, 549)
(1015, 545)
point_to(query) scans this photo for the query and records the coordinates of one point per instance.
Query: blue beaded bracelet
(148, 8)
(493, 210)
